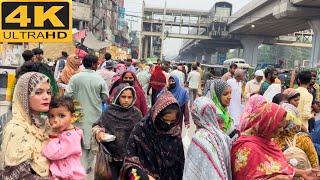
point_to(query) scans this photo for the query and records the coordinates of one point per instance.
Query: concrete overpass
(263, 21)
(157, 22)
(270, 18)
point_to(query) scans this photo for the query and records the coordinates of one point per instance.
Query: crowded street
(160, 90)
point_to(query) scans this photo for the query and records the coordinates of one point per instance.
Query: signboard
(10, 54)
(121, 18)
(36, 21)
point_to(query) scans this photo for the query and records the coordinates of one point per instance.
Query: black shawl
(119, 121)
(158, 154)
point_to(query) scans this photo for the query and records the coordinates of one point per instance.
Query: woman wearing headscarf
(116, 79)
(141, 102)
(155, 147)
(220, 93)
(208, 155)
(118, 120)
(120, 69)
(158, 81)
(293, 98)
(25, 134)
(181, 96)
(254, 102)
(294, 134)
(72, 68)
(144, 76)
(255, 156)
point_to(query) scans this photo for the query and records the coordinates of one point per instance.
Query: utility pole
(141, 34)
(162, 33)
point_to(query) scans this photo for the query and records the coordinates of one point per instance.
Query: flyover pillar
(198, 57)
(207, 58)
(315, 54)
(145, 52)
(250, 47)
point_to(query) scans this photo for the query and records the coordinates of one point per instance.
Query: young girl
(64, 147)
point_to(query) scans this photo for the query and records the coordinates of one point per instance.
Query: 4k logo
(36, 21)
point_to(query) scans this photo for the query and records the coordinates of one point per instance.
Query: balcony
(81, 11)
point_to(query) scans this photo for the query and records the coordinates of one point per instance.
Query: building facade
(104, 18)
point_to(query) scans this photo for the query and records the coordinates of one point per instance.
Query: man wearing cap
(253, 86)
(107, 73)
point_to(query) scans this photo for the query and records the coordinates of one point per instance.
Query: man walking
(305, 103)
(253, 86)
(89, 88)
(179, 74)
(270, 78)
(194, 82)
(61, 62)
(38, 55)
(107, 73)
(235, 108)
(130, 66)
(229, 75)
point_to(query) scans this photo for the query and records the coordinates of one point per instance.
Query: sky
(172, 46)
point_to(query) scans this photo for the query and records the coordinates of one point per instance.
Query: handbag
(102, 170)
(22, 171)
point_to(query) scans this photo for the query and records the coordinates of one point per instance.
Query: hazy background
(172, 46)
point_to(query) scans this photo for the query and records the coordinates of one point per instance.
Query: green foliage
(274, 53)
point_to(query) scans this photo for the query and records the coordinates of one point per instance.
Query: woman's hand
(310, 174)
(280, 177)
(99, 136)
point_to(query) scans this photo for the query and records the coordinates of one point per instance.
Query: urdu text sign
(36, 21)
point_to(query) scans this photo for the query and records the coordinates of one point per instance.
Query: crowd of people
(130, 117)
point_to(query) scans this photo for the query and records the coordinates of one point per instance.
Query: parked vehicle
(241, 63)
(219, 70)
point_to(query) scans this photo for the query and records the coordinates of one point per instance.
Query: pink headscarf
(120, 69)
(253, 103)
(254, 155)
(290, 92)
(81, 53)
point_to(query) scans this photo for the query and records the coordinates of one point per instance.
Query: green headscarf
(216, 89)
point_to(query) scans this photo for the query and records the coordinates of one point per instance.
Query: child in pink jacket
(64, 148)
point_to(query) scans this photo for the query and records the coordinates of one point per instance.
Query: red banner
(79, 35)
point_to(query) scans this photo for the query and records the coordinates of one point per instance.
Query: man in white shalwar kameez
(235, 108)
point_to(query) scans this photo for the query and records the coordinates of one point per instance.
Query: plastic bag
(102, 169)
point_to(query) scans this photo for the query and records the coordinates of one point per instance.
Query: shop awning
(92, 43)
